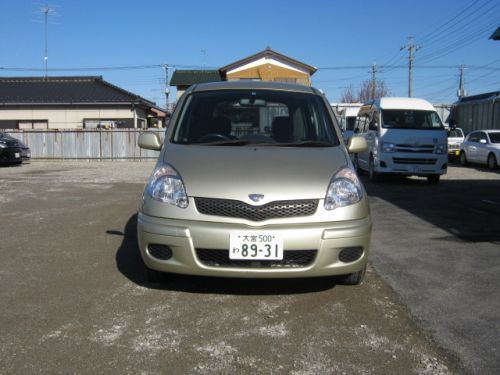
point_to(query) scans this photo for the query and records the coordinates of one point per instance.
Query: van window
(254, 116)
(350, 121)
(455, 133)
(411, 119)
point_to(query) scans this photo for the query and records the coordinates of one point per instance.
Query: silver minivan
(253, 180)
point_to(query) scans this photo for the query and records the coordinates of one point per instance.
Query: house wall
(270, 72)
(70, 118)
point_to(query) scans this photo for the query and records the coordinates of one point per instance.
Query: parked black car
(12, 150)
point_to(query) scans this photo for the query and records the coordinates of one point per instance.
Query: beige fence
(101, 144)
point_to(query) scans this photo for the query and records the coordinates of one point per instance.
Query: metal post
(374, 80)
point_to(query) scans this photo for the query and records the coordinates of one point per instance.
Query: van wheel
(463, 159)
(372, 175)
(433, 179)
(153, 276)
(355, 278)
(492, 162)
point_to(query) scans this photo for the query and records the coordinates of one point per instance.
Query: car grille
(272, 210)
(420, 149)
(414, 161)
(291, 259)
(453, 147)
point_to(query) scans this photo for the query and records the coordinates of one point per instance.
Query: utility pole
(167, 90)
(461, 89)
(374, 81)
(412, 48)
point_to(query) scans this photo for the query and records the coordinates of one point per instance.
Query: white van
(405, 136)
(348, 119)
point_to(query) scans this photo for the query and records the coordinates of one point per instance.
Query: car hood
(415, 137)
(235, 172)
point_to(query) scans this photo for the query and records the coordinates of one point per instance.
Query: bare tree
(368, 92)
(349, 95)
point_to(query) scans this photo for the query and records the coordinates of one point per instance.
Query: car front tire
(463, 158)
(492, 162)
(355, 278)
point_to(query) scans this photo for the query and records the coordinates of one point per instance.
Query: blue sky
(343, 39)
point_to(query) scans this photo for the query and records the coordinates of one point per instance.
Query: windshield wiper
(226, 142)
(307, 144)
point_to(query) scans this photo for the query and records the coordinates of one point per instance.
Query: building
(267, 65)
(182, 79)
(476, 112)
(72, 103)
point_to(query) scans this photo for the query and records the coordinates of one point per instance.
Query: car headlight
(3, 144)
(345, 189)
(388, 147)
(165, 185)
(441, 149)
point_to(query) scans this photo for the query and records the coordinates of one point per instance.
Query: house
(267, 65)
(72, 103)
(185, 78)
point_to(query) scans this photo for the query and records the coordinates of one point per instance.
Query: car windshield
(494, 137)
(247, 117)
(455, 133)
(411, 119)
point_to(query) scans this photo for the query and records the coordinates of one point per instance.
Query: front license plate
(17, 155)
(255, 246)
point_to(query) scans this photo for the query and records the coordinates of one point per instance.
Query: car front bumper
(185, 239)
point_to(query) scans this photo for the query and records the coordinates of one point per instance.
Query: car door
(482, 148)
(470, 146)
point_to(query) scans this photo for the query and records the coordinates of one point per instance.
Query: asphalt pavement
(74, 300)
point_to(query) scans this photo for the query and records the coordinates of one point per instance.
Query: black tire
(355, 278)
(492, 161)
(433, 179)
(153, 276)
(463, 158)
(372, 175)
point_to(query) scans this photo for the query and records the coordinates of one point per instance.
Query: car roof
(253, 85)
(404, 103)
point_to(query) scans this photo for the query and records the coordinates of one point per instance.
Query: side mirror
(483, 141)
(356, 144)
(150, 141)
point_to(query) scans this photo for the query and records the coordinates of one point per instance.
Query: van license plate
(17, 155)
(255, 246)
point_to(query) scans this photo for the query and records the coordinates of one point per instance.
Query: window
(494, 137)
(474, 137)
(411, 119)
(32, 124)
(255, 116)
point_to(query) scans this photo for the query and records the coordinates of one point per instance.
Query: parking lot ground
(439, 248)
(73, 298)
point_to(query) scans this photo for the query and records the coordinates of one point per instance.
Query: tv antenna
(47, 11)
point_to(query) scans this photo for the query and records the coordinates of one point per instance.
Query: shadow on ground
(468, 209)
(130, 264)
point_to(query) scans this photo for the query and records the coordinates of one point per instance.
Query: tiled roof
(191, 77)
(64, 90)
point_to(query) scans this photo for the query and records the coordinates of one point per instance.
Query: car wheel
(355, 278)
(433, 179)
(153, 276)
(492, 162)
(372, 175)
(463, 158)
